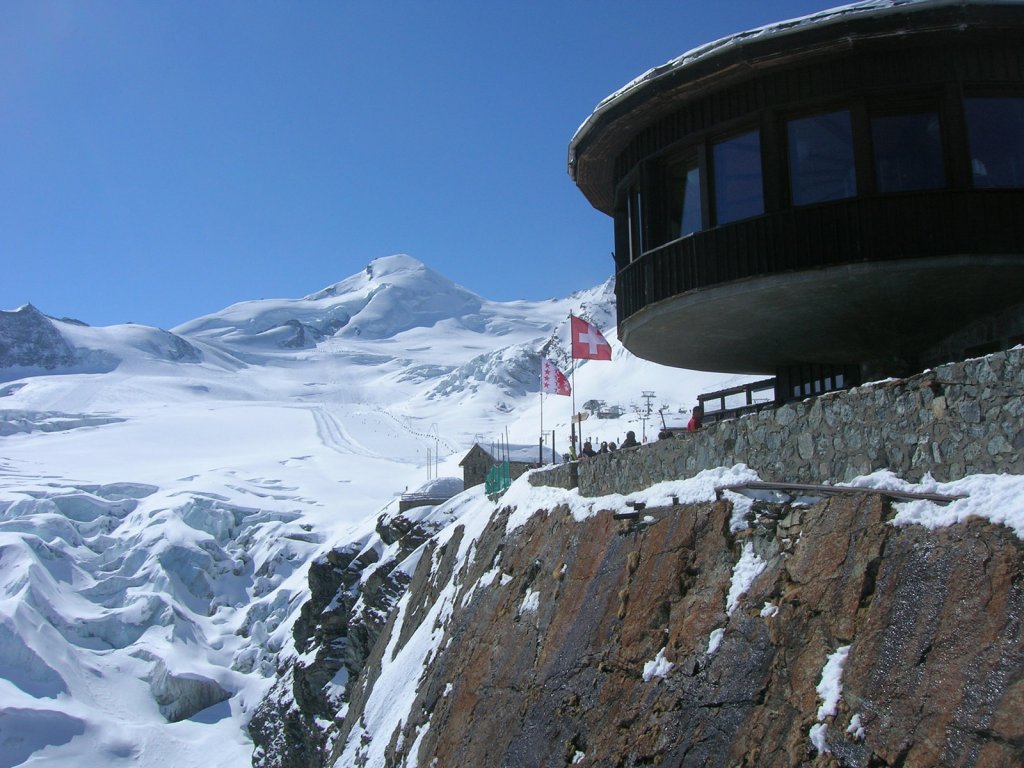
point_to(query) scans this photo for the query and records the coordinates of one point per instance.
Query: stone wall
(958, 419)
(559, 476)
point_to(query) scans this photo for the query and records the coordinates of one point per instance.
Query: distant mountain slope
(32, 344)
(393, 294)
(28, 339)
(164, 495)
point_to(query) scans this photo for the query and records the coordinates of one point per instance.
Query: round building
(826, 200)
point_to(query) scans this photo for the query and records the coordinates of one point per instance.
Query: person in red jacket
(696, 419)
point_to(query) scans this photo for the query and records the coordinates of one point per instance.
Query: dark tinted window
(821, 158)
(684, 198)
(995, 130)
(739, 192)
(908, 152)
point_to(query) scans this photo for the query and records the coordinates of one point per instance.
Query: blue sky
(161, 160)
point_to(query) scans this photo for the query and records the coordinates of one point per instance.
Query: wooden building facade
(826, 200)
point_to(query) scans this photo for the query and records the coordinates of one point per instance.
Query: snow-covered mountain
(163, 494)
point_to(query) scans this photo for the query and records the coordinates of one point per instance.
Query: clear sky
(161, 160)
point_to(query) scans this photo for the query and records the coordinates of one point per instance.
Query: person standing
(696, 418)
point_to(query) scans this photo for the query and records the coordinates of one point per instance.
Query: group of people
(587, 451)
(607, 447)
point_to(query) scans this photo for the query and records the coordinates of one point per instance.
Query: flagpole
(541, 447)
(572, 419)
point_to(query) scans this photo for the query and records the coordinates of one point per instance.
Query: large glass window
(908, 152)
(995, 131)
(739, 191)
(684, 216)
(821, 164)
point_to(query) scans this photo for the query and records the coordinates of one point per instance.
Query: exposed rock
(168, 346)
(934, 674)
(674, 640)
(303, 337)
(352, 591)
(29, 339)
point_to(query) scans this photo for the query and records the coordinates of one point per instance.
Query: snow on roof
(527, 454)
(440, 488)
(868, 8)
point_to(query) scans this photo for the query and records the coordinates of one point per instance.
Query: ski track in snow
(333, 434)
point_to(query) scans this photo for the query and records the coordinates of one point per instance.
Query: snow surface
(829, 689)
(700, 488)
(158, 513)
(997, 498)
(161, 498)
(531, 602)
(659, 666)
(856, 727)
(715, 640)
(747, 568)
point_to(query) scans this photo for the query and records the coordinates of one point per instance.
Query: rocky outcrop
(29, 339)
(32, 343)
(674, 641)
(352, 591)
(760, 634)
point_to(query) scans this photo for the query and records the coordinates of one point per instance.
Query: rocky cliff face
(675, 641)
(352, 591)
(700, 633)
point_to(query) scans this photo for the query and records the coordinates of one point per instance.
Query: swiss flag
(588, 343)
(552, 380)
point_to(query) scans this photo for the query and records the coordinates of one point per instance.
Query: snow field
(154, 549)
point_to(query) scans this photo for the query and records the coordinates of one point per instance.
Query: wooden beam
(811, 489)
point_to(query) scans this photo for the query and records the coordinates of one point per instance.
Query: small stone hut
(479, 460)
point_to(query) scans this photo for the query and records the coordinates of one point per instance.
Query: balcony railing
(866, 229)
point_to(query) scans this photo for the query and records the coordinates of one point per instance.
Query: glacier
(164, 494)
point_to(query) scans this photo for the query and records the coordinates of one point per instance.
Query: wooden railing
(866, 229)
(736, 401)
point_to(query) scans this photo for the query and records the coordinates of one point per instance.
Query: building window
(739, 190)
(821, 166)
(908, 152)
(995, 131)
(684, 198)
(799, 381)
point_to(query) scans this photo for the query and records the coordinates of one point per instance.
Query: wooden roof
(663, 90)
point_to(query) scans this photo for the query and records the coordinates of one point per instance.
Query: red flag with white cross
(588, 343)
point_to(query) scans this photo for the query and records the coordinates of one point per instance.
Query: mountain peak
(383, 270)
(389, 265)
(390, 295)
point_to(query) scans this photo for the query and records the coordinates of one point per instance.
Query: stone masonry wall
(958, 419)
